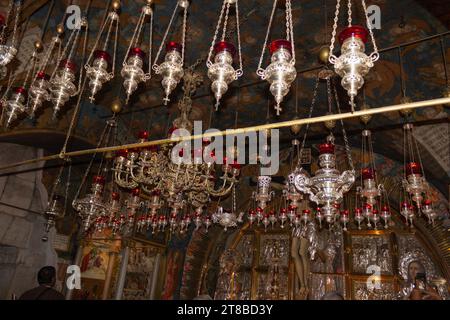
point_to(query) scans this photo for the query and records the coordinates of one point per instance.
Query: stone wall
(22, 253)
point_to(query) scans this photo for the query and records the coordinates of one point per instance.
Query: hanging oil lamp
(345, 219)
(281, 72)
(100, 61)
(353, 64)
(327, 187)
(64, 83)
(91, 206)
(428, 210)
(225, 218)
(264, 195)
(133, 66)
(414, 180)
(114, 207)
(172, 67)
(221, 72)
(38, 92)
(54, 211)
(16, 105)
(9, 51)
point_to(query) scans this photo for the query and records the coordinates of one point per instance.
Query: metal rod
(269, 126)
(314, 68)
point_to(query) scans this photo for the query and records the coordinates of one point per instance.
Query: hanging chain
(333, 58)
(135, 37)
(291, 28)
(116, 39)
(83, 57)
(16, 22)
(402, 79)
(240, 71)
(73, 120)
(349, 12)
(344, 133)
(216, 33)
(234, 199)
(225, 22)
(185, 12)
(311, 108)
(88, 169)
(150, 49)
(69, 174)
(375, 55)
(329, 95)
(97, 40)
(155, 66)
(444, 61)
(260, 71)
(288, 26)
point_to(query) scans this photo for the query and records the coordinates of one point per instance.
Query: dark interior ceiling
(424, 76)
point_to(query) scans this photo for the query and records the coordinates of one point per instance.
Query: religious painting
(371, 253)
(229, 284)
(414, 259)
(273, 264)
(321, 284)
(141, 265)
(245, 248)
(97, 257)
(273, 285)
(368, 290)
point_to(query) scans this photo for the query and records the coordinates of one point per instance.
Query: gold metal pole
(230, 132)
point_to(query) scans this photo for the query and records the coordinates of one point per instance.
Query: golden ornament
(367, 117)
(405, 112)
(116, 5)
(116, 106)
(295, 129)
(60, 29)
(38, 45)
(324, 54)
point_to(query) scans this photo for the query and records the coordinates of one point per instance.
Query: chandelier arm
(155, 66)
(259, 70)
(240, 71)
(221, 192)
(344, 133)
(332, 58)
(211, 48)
(375, 54)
